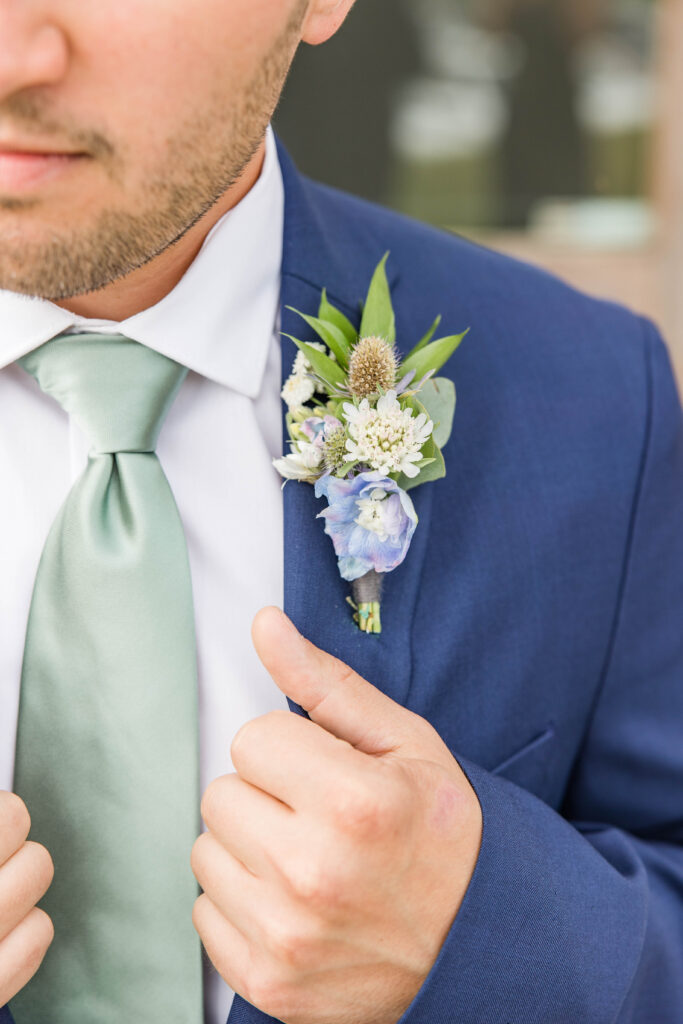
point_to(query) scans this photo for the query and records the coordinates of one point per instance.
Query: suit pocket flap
(538, 741)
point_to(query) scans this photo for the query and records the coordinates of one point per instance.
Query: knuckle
(30, 941)
(238, 743)
(294, 945)
(213, 800)
(253, 731)
(37, 869)
(242, 739)
(422, 729)
(198, 854)
(345, 678)
(198, 912)
(362, 811)
(314, 882)
(38, 934)
(16, 821)
(345, 675)
(44, 930)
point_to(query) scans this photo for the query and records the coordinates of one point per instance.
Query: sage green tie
(107, 745)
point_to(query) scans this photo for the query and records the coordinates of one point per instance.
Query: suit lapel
(315, 594)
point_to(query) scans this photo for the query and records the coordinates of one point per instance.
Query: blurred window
(533, 116)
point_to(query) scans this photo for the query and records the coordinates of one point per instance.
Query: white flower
(387, 438)
(310, 454)
(298, 389)
(373, 513)
(302, 463)
(301, 365)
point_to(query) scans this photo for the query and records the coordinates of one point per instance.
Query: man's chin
(48, 263)
(33, 280)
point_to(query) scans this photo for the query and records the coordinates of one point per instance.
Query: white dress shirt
(216, 444)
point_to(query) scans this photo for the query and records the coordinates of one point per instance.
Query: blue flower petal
(358, 549)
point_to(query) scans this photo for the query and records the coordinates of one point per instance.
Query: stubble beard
(120, 241)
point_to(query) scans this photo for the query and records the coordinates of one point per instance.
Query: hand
(25, 876)
(338, 854)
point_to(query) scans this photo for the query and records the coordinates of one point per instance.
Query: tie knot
(117, 390)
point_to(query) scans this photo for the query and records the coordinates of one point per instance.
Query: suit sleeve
(578, 916)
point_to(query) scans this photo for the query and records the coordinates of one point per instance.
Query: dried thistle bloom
(372, 365)
(335, 454)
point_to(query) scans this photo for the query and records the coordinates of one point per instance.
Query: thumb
(335, 696)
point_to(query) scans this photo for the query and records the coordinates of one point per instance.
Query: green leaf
(433, 469)
(414, 403)
(346, 468)
(432, 462)
(331, 335)
(437, 395)
(330, 372)
(335, 316)
(378, 312)
(427, 338)
(433, 356)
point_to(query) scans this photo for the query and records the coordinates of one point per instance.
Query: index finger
(294, 759)
(15, 824)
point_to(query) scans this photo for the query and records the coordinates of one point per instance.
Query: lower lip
(20, 171)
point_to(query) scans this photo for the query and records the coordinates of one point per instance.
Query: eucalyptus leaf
(335, 316)
(427, 338)
(437, 395)
(432, 356)
(332, 336)
(328, 370)
(378, 313)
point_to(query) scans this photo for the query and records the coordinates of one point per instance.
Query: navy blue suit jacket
(537, 620)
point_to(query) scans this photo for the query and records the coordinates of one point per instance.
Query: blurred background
(550, 129)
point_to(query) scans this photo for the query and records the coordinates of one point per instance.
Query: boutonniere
(366, 426)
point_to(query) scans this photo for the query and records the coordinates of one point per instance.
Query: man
(480, 818)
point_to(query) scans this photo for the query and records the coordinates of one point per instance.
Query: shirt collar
(219, 318)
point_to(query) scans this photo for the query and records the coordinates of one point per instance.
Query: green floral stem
(368, 618)
(367, 591)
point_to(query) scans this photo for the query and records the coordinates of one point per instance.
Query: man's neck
(149, 284)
